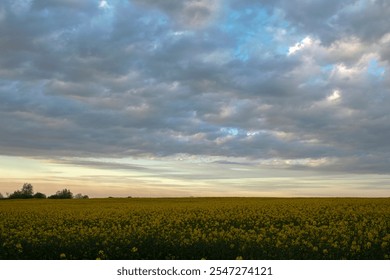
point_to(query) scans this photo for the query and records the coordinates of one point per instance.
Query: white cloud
(347, 50)
(342, 72)
(336, 95)
(305, 43)
(104, 4)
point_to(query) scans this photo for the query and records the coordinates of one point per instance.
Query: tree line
(27, 191)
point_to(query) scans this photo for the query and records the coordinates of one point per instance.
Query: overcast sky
(202, 97)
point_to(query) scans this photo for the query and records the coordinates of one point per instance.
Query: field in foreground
(196, 228)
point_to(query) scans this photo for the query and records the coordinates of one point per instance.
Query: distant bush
(63, 194)
(39, 195)
(81, 196)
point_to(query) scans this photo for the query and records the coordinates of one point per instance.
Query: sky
(195, 98)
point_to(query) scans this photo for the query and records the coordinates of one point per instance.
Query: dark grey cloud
(192, 13)
(332, 20)
(365, 19)
(260, 80)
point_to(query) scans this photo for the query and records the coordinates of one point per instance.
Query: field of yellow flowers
(196, 228)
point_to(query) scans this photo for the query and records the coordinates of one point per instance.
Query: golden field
(195, 228)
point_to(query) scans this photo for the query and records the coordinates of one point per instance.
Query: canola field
(196, 228)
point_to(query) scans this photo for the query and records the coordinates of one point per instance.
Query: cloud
(188, 14)
(100, 164)
(260, 80)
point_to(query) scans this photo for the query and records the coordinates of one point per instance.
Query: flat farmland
(195, 228)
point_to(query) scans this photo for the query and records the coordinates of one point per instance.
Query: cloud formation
(256, 80)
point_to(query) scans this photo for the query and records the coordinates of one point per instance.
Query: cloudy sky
(196, 97)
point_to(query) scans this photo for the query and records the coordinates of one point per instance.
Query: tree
(1, 196)
(27, 191)
(63, 194)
